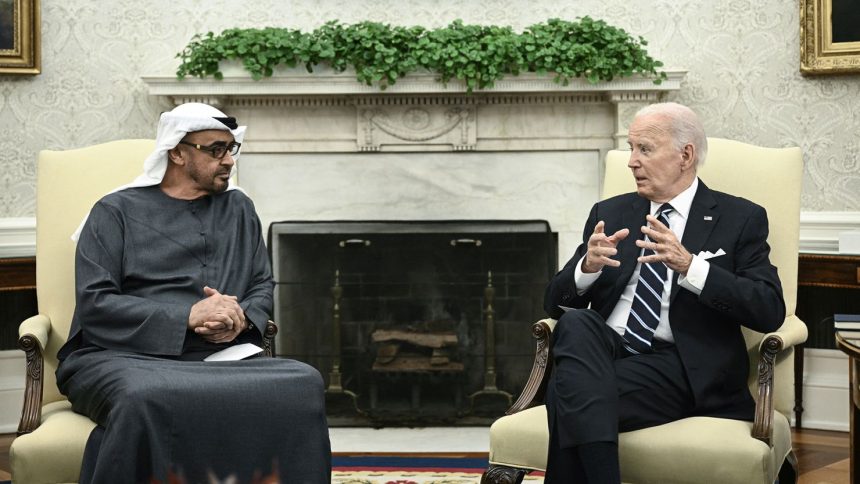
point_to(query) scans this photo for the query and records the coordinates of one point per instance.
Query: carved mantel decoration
(417, 124)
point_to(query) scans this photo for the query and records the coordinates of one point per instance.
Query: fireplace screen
(412, 323)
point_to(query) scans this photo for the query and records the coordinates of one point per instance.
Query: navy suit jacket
(742, 289)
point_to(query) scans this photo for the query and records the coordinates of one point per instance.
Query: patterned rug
(413, 469)
(405, 477)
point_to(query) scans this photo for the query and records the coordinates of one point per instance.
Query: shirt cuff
(584, 281)
(696, 276)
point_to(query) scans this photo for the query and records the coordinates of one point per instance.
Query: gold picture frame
(829, 37)
(20, 34)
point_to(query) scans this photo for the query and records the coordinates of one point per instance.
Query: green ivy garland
(479, 55)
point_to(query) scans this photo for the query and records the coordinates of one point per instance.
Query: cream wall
(742, 57)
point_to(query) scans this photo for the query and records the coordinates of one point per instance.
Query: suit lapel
(700, 223)
(633, 219)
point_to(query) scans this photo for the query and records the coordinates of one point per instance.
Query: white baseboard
(825, 390)
(13, 365)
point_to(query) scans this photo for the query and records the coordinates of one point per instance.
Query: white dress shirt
(694, 281)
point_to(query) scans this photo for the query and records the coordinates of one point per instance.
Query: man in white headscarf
(169, 270)
(173, 127)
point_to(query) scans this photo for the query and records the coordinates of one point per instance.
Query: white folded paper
(234, 353)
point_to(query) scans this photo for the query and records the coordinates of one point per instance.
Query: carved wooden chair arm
(33, 336)
(792, 332)
(535, 389)
(269, 338)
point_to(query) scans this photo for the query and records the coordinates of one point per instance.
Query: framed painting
(19, 37)
(829, 36)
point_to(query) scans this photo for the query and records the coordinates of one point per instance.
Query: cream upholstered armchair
(51, 438)
(697, 449)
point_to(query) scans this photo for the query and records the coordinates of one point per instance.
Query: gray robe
(142, 261)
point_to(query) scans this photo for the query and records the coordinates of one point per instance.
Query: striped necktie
(647, 298)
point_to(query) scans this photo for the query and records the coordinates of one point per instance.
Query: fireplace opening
(412, 322)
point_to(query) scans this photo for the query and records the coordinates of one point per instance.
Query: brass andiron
(490, 394)
(338, 400)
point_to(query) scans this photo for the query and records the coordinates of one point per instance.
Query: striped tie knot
(663, 212)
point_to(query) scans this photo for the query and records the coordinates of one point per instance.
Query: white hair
(684, 126)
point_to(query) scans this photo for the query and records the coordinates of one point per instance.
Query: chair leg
(788, 471)
(496, 474)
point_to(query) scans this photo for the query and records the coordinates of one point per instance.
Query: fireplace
(412, 322)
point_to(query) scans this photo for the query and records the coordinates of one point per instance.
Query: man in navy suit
(669, 274)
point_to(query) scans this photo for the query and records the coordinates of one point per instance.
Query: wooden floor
(822, 456)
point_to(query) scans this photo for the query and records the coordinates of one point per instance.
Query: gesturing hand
(601, 248)
(666, 246)
(218, 318)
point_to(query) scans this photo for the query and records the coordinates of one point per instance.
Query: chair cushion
(61, 438)
(692, 450)
(520, 440)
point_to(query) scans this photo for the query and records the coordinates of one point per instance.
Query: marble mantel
(322, 146)
(420, 114)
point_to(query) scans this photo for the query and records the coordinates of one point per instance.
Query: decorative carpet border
(411, 469)
(409, 477)
(426, 462)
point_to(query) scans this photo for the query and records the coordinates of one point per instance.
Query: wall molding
(819, 233)
(17, 237)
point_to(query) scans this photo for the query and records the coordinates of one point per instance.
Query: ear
(176, 155)
(688, 156)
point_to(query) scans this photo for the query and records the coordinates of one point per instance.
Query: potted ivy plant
(479, 55)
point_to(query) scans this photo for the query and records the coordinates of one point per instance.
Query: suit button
(720, 304)
(565, 296)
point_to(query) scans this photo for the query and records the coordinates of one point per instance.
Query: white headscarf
(172, 127)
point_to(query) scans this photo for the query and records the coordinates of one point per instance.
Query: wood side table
(17, 297)
(17, 274)
(835, 271)
(851, 347)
